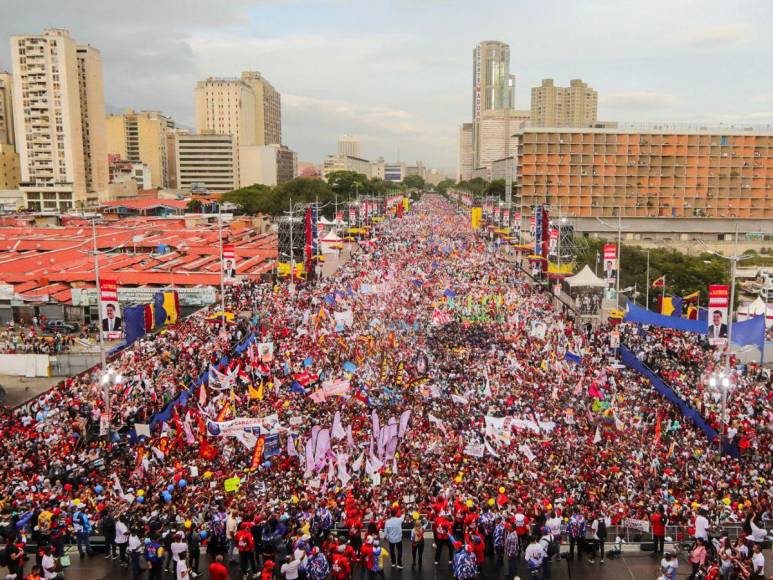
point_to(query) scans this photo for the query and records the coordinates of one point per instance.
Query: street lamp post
(720, 381)
(110, 378)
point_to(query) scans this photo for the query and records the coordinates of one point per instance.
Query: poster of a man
(610, 272)
(111, 322)
(230, 269)
(717, 328)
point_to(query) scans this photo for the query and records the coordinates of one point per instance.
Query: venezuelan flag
(172, 306)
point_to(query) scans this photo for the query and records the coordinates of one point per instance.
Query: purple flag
(404, 418)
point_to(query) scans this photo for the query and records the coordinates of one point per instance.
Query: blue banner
(134, 322)
(752, 332)
(630, 360)
(643, 316)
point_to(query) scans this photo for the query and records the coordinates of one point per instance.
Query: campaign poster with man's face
(110, 311)
(229, 264)
(719, 303)
(610, 264)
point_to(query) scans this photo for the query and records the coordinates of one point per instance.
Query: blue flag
(572, 358)
(297, 388)
(308, 362)
(349, 367)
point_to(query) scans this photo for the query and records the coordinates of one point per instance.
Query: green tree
(413, 182)
(496, 188)
(347, 183)
(444, 185)
(475, 186)
(252, 199)
(304, 190)
(194, 206)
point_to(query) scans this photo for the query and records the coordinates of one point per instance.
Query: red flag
(659, 282)
(206, 450)
(657, 431)
(257, 453)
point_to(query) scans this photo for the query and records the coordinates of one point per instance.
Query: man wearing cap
(393, 529)
(442, 529)
(342, 568)
(245, 544)
(316, 565)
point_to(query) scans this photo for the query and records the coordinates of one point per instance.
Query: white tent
(585, 278)
(330, 243)
(750, 309)
(325, 221)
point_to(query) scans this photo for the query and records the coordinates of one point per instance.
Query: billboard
(719, 302)
(109, 310)
(610, 264)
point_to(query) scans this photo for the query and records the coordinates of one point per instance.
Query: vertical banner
(610, 264)
(506, 217)
(553, 245)
(497, 215)
(309, 240)
(532, 226)
(476, 215)
(352, 217)
(719, 303)
(339, 217)
(229, 264)
(517, 225)
(110, 312)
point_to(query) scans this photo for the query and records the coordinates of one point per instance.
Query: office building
(9, 167)
(493, 85)
(142, 137)
(464, 158)
(349, 146)
(333, 163)
(495, 135)
(6, 108)
(123, 169)
(268, 164)
(716, 173)
(248, 108)
(268, 109)
(58, 111)
(206, 161)
(572, 106)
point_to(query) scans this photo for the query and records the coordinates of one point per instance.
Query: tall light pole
(222, 271)
(110, 378)
(292, 251)
(99, 297)
(720, 381)
(647, 294)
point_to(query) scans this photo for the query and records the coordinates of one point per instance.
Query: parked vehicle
(62, 327)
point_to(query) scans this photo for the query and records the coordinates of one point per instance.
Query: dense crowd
(31, 341)
(425, 386)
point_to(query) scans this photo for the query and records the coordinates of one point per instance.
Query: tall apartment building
(268, 109)
(6, 108)
(248, 108)
(495, 131)
(206, 160)
(269, 164)
(572, 106)
(141, 137)
(349, 146)
(9, 167)
(58, 110)
(656, 173)
(333, 163)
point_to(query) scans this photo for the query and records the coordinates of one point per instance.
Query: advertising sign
(110, 312)
(719, 302)
(229, 264)
(610, 264)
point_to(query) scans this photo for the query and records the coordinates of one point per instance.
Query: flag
(657, 430)
(659, 282)
(206, 450)
(439, 317)
(255, 393)
(692, 312)
(573, 358)
(597, 436)
(296, 387)
(667, 306)
(257, 453)
(692, 298)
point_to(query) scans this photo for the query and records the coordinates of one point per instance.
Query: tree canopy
(414, 182)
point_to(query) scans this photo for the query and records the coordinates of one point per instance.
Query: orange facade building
(600, 172)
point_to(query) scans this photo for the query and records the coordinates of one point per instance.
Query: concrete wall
(25, 365)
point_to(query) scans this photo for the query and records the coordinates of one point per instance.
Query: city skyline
(406, 87)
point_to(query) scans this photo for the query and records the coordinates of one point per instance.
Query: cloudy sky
(398, 73)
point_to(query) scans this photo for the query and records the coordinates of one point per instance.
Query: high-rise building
(493, 87)
(58, 110)
(6, 108)
(141, 137)
(495, 130)
(268, 164)
(92, 104)
(9, 167)
(349, 146)
(572, 106)
(206, 161)
(268, 109)
(464, 160)
(333, 163)
(717, 173)
(248, 108)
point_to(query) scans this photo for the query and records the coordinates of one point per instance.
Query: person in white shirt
(669, 565)
(535, 554)
(758, 562)
(48, 563)
(290, 568)
(135, 549)
(121, 539)
(179, 548)
(231, 527)
(182, 566)
(702, 527)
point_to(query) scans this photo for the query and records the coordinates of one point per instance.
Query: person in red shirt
(216, 569)
(442, 529)
(659, 522)
(342, 567)
(245, 543)
(268, 570)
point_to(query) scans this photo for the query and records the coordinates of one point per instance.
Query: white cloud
(762, 99)
(639, 100)
(759, 116)
(717, 35)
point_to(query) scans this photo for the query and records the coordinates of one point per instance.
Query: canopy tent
(585, 278)
(331, 243)
(750, 309)
(325, 221)
(331, 238)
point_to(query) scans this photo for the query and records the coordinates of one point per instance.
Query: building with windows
(268, 109)
(333, 163)
(206, 160)
(59, 120)
(268, 164)
(572, 106)
(142, 137)
(658, 172)
(349, 146)
(464, 157)
(9, 167)
(6, 108)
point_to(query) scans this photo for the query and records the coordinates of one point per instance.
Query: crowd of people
(426, 387)
(31, 341)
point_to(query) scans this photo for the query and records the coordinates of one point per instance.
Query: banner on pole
(229, 264)
(110, 312)
(610, 264)
(719, 303)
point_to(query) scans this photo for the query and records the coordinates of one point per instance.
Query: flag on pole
(659, 282)
(692, 298)
(657, 430)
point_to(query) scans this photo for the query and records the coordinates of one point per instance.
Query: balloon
(726, 501)
(170, 487)
(99, 489)
(491, 501)
(167, 497)
(203, 534)
(501, 489)
(188, 523)
(549, 506)
(458, 479)
(265, 464)
(140, 493)
(295, 499)
(416, 516)
(207, 475)
(182, 483)
(469, 503)
(694, 505)
(76, 502)
(140, 499)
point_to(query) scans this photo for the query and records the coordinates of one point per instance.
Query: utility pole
(647, 292)
(619, 250)
(292, 251)
(106, 384)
